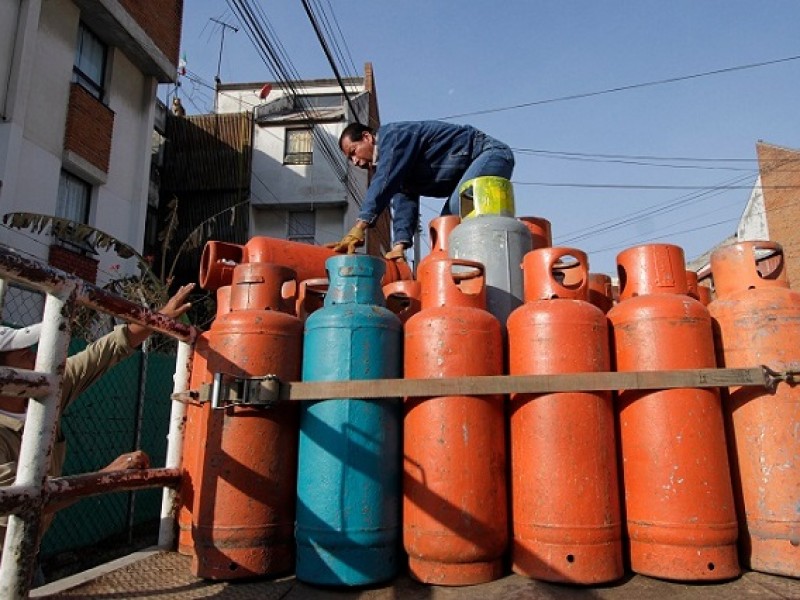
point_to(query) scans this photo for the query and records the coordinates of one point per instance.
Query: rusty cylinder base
(442, 573)
(582, 564)
(685, 563)
(244, 562)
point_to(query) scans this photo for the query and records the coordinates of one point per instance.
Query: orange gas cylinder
(601, 291)
(310, 296)
(194, 431)
(439, 231)
(757, 321)
(704, 294)
(454, 487)
(681, 519)
(565, 508)
(403, 298)
(244, 505)
(541, 235)
(220, 258)
(691, 284)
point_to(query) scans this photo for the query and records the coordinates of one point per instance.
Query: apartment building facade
(78, 83)
(301, 186)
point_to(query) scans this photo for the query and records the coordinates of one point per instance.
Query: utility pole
(217, 80)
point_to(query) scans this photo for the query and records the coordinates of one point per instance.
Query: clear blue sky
(438, 59)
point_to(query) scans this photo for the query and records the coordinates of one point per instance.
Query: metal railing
(33, 491)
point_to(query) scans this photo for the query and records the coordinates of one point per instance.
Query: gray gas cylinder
(500, 243)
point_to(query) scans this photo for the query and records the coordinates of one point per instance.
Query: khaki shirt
(80, 371)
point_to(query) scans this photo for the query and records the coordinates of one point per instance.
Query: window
(299, 146)
(302, 227)
(73, 204)
(90, 62)
(73, 198)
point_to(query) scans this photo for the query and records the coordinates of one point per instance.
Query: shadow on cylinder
(757, 321)
(454, 488)
(244, 507)
(565, 492)
(403, 298)
(348, 485)
(680, 513)
(310, 297)
(195, 433)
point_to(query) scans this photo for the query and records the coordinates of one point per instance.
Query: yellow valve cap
(487, 195)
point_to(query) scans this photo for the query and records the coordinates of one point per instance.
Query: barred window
(302, 227)
(89, 69)
(299, 147)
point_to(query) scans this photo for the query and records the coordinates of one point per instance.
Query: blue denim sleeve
(397, 150)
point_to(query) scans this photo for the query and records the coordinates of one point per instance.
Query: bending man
(412, 159)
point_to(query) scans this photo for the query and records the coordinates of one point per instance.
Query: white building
(302, 188)
(78, 85)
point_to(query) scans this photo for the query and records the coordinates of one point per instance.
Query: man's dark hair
(354, 132)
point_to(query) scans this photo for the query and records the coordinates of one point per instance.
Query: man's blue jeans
(495, 159)
(492, 158)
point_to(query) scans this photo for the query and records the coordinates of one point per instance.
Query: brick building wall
(89, 128)
(161, 20)
(79, 265)
(780, 180)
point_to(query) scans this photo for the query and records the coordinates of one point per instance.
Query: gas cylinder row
(562, 493)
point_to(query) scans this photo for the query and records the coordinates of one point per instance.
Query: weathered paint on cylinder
(403, 298)
(244, 506)
(681, 518)
(565, 502)
(219, 259)
(757, 321)
(601, 291)
(541, 234)
(194, 431)
(348, 487)
(455, 527)
(310, 296)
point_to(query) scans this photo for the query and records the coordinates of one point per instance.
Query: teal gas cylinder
(348, 489)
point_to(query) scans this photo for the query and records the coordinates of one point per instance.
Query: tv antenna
(225, 26)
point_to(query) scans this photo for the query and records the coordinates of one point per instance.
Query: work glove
(349, 243)
(399, 255)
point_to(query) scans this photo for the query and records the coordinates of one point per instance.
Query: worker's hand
(177, 305)
(396, 254)
(130, 460)
(349, 243)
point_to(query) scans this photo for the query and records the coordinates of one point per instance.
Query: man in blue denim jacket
(413, 159)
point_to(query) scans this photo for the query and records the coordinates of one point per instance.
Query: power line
(623, 88)
(326, 49)
(600, 158)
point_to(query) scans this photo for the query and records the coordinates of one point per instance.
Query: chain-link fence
(127, 409)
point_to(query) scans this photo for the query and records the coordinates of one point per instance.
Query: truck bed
(160, 574)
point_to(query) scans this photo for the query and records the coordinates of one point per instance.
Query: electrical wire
(260, 32)
(623, 88)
